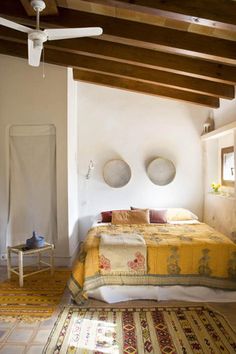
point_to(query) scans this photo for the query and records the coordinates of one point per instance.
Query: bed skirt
(116, 293)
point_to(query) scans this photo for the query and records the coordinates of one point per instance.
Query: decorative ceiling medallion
(116, 173)
(161, 171)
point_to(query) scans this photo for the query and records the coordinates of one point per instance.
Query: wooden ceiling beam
(175, 63)
(12, 8)
(219, 14)
(142, 87)
(52, 57)
(152, 37)
(139, 56)
(152, 76)
(155, 16)
(140, 73)
(140, 34)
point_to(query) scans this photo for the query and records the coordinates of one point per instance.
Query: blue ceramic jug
(35, 241)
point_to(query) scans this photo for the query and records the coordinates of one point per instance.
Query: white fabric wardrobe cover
(32, 178)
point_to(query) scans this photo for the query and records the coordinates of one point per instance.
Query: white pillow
(180, 214)
(184, 222)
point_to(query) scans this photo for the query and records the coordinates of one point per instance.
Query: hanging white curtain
(32, 197)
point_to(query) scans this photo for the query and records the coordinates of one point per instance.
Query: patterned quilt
(176, 255)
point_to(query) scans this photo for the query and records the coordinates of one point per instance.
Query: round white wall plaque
(161, 171)
(116, 173)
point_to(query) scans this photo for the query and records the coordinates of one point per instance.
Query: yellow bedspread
(176, 255)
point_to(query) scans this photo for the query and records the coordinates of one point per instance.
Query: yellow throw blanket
(122, 254)
(176, 255)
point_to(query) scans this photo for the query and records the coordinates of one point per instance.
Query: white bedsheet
(97, 223)
(117, 293)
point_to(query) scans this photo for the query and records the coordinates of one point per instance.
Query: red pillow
(156, 216)
(107, 215)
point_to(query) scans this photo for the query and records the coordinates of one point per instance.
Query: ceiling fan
(37, 37)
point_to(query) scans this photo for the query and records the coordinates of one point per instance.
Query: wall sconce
(90, 168)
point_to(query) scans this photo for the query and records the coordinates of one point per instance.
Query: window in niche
(227, 166)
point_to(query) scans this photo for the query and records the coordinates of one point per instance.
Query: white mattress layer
(116, 293)
(97, 223)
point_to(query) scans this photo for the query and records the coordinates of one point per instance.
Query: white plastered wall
(225, 114)
(220, 211)
(27, 98)
(137, 128)
(72, 163)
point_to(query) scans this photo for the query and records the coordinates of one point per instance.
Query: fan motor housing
(38, 37)
(38, 5)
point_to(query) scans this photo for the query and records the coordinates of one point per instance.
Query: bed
(184, 261)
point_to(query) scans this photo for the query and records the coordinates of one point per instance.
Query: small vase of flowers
(215, 187)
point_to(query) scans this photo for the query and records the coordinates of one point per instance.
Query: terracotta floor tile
(5, 324)
(27, 325)
(12, 349)
(35, 349)
(48, 323)
(3, 333)
(20, 335)
(42, 335)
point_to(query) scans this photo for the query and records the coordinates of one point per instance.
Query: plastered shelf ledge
(226, 129)
(223, 195)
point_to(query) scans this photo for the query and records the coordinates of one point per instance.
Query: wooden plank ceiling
(178, 49)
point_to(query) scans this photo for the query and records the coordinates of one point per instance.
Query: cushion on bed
(107, 215)
(156, 216)
(130, 217)
(180, 214)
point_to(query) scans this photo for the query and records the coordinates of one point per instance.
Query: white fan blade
(66, 33)
(14, 25)
(34, 53)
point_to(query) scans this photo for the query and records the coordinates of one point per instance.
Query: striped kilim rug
(36, 300)
(182, 330)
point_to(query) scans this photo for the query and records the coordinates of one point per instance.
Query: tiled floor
(23, 338)
(20, 338)
(17, 337)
